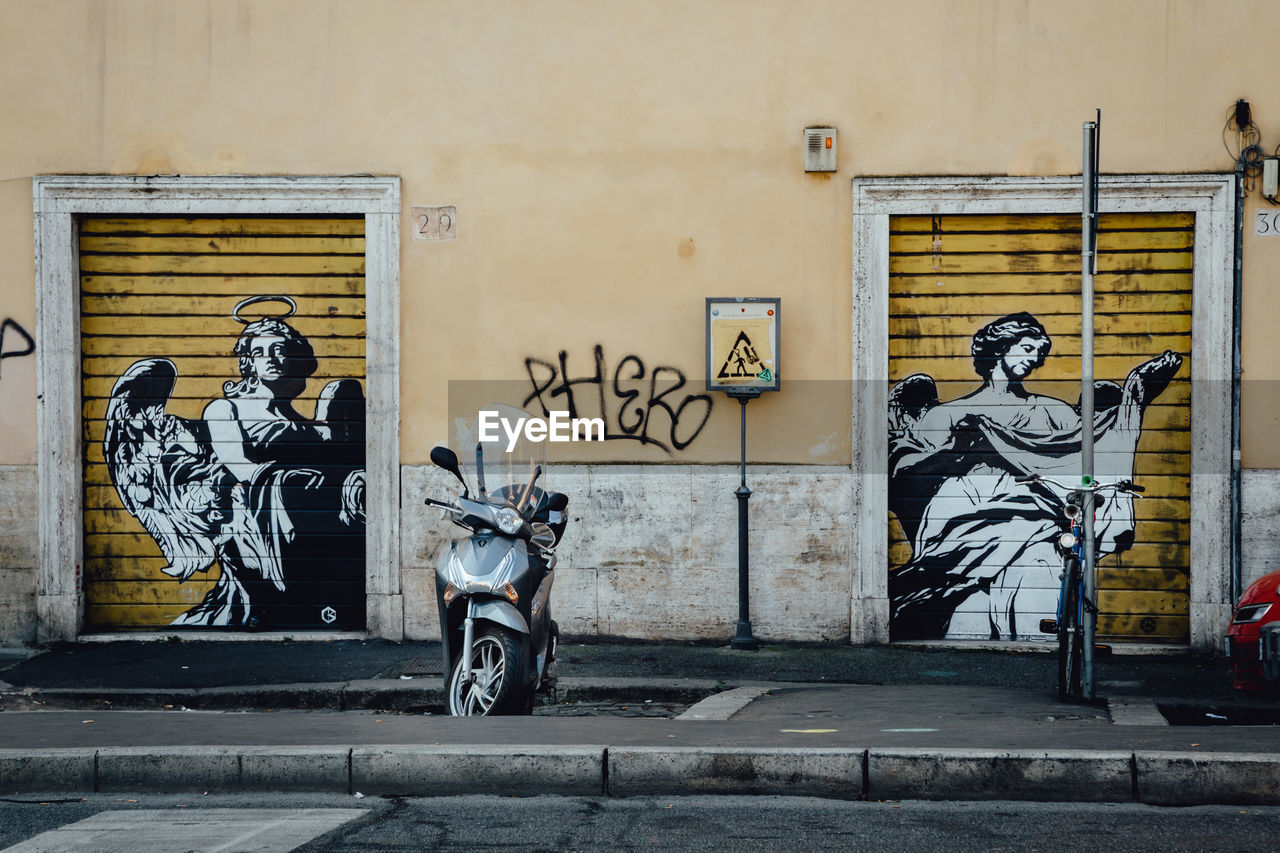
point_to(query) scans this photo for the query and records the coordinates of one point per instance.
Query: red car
(1253, 640)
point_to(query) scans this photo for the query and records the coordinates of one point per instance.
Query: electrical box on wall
(1270, 178)
(819, 149)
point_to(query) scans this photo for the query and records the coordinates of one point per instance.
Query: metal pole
(1237, 581)
(1088, 226)
(743, 639)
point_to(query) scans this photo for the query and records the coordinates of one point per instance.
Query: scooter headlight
(509, 521)
(1067, 541)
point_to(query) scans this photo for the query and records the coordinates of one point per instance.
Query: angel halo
(254, 300)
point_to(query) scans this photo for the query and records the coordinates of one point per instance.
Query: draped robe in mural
(984, 563)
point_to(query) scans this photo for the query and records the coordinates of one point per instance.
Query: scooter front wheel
(495, 675)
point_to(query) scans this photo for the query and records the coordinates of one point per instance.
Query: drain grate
(423, 666)
(1220, 714)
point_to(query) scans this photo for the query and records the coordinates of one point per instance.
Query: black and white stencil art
(275, 499)
(984, 562)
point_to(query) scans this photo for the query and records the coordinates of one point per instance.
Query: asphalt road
(344, 824)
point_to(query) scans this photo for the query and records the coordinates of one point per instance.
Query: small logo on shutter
(329, 615)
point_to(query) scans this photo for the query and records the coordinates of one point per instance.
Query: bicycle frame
(1073, 603)
(1069, 625)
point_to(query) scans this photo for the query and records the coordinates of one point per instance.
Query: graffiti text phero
(11, 327)
(637, 403)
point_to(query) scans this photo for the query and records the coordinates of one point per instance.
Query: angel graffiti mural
(983, 560)
(275, 499)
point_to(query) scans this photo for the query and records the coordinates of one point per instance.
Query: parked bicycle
(1073, 604)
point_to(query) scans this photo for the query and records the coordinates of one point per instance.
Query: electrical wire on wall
(1243, 141)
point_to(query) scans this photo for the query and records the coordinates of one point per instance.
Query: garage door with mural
(223, 406)
(984, 363)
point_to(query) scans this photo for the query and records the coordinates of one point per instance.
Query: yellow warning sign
(742, 348)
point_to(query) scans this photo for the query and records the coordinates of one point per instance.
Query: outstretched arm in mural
(1143, 385)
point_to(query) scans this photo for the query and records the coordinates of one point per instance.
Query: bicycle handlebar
(1118, 486)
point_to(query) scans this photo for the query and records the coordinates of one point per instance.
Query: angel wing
(164, 470)
(910, 399)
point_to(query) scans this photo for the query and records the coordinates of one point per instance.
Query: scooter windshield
(505, 457)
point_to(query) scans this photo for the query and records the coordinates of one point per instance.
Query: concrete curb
(223, 769)
(1165, 778)
(48, 770)
(337, 695)
(972, 774)
(360, 695)
(433, 771)
(1186, 779)
(835, 773)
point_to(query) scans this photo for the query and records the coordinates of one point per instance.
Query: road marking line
(908, 730)
(808, 731)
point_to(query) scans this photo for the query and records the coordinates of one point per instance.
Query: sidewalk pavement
(881, 723)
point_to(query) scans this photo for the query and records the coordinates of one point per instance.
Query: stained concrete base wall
(18, 546)
(651, 551)
(1259, 523)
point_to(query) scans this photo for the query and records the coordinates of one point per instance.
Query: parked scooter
(493, 587)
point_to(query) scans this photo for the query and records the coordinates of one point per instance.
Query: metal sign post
(743, 639)
(742, 361)
(1088, 267)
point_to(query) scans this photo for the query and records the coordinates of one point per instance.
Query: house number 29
(435, 223)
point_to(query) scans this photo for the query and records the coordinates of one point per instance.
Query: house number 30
(1267, 223)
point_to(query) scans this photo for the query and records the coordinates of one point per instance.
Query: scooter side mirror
(543, 536)
(558, 501)
(443, 457)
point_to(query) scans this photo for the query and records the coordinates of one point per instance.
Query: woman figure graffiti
(266, 487)
(983, 560)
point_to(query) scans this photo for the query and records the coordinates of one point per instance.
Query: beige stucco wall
(1260, 385)
(615, 162)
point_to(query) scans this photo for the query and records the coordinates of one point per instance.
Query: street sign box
(742, 344)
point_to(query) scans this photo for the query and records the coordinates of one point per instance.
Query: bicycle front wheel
(1070, 641)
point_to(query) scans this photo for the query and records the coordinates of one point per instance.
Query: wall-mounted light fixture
(819, 149)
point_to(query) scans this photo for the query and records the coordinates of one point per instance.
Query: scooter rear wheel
(495, 668)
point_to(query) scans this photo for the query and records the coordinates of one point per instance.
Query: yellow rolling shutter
(289, 550)
(952, 275)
